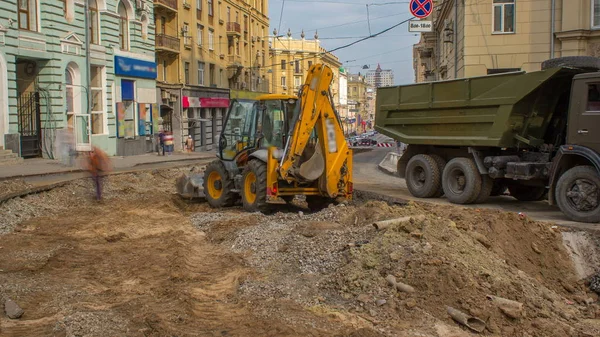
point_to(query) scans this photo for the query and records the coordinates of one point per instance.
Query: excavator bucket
(190, 185)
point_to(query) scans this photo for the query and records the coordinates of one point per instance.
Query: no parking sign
(421, 8)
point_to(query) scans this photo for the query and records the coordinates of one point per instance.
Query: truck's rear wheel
(441, 163)
(423, 176)
(218, 186)
(461, 181)
(578, 194)
(254, 186)
(487, 184)
(527, 193)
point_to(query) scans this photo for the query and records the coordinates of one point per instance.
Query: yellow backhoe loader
(277, 147)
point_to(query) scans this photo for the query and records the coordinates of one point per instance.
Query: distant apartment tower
(380, 77)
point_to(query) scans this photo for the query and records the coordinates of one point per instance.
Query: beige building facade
(204, 49)
(290, 60)
(480, 37)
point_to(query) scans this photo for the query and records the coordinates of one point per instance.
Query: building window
(297, 66)
(282, 64)
(28, 14)
(164, 70)
(144, 21)
(186, 72)
(504, 16)
(283, 82)
(211, 75)
(210, 8)
(199, 5)
(200, 73)
(94, 22)
(97, 90)
(596, 14)
(211, 34)
(199, 33)
(123, 26)
(70, 95)
(309, 64)
(297, 81)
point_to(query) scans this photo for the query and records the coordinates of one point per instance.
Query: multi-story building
(480, 37)
(53, 87)
(204, 48)
(380, 77)
(290, 60)
(357, 100)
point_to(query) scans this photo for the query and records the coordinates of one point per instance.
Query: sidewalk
(38, 166)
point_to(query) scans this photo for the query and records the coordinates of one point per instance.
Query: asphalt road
(368, 177)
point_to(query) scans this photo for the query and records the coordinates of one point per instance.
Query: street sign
(421, 8)
(418, 26)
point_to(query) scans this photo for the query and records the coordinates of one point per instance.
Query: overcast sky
(340, 22)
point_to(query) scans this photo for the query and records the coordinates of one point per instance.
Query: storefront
(137, 111)
(204, 110)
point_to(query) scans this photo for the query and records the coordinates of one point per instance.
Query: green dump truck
(536, 134)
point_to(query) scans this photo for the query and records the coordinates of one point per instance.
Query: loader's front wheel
(254, 186)
(218, 186)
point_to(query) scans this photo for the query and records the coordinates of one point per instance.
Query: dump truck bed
(505, 110)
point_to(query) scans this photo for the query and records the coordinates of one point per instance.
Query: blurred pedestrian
(169, 142)
(189, 144)
(161, 142)
(98, 164)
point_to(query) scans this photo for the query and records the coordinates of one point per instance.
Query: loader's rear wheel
(461, 181)
(217, 185)
(423, 176)
(254, 186)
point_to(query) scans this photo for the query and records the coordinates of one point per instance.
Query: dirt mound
(335, 263)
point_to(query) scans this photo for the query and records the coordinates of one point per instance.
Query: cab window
(593, 100)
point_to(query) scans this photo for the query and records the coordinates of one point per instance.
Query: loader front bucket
(190, 186)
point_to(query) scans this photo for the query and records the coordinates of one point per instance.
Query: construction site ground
(144, 262)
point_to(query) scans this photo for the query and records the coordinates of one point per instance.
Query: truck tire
(527, 193)
(578, 194)
(441, 163)
(487, 184)
(254, 186)
(423, 176)
(461, 181)
(218, 186)
(583, 62)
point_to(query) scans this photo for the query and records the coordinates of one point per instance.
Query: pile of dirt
(334, 264)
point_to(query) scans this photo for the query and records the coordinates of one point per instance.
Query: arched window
(123, 26)
(94, 22)
(144, 20)
(70, 96)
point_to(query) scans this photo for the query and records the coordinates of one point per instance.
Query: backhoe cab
(280, 146)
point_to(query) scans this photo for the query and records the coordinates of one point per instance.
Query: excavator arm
(331, 162)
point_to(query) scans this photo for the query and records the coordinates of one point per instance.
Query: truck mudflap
(566, 157)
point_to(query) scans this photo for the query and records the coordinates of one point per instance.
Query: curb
(78, 170)
(45, 188)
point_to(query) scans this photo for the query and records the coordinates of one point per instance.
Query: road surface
(368, 177)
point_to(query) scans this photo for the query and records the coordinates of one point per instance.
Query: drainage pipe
(552, 25)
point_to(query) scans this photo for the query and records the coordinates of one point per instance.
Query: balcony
(168, 5)
(235, 59)
(233, 28)
(166, 43)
